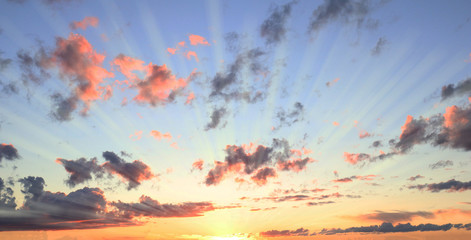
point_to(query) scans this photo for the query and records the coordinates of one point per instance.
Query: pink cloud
(171, 50)
(195, 40)
(86, 22)
(190, 98)
(158, 135)
(198, 164)
(336, 123)
(355, 158)
(189, 54)
(127, 65)
(136, 135)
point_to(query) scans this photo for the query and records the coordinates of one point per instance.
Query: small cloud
(195, 40)
(86, 22)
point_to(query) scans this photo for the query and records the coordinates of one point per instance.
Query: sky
(333, 119)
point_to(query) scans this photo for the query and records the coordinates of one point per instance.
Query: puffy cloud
(134, 173)
(80, 170)
(8, 152)
(356, 158)
(273, 29)
(386, 227)
(86, 22)
(195, 40)
(33, 187)
(148, 207)
(450, 186)
(247, 159)
(127, 65)
(347, 11)
(456, 128)
(285, 233)
(394, 217)
(462, 88)
(378, 48)
(260, 178)
(441, 164)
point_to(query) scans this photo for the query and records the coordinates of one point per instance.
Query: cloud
(127, 66)
(7, 200)
(355, 158)
(85, 208)
(80, 170)
(4, 62)
(86, 22)
(350, 179)
(332, 83)
(347, 11)
(394, 217)
(287, 118)
(413, 178)
(148, 207)
(260, 178)
(441, 164)
(33, 66)
(190, 54)
(382, 42)
(198, 164)
(462, 88)
(386, 227)
(216, 116)
(376, 144)
(450, 186)
(62, 107)
(319, 203)
(195, 40)
(285, 233)
(8, 152)
(273, 29)
(247, 159)
(190, 98)
(134, 173)
(159, 136)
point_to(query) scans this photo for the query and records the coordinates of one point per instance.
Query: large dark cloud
(80, 170)
(345, 11)
(273, 29)
(85, 208)
(285, 233)
(389, 228)
(8, 152)
(134, 173)
(247, 159)
(450, 186)
(287, 118)
(441, 164)
(452, 90)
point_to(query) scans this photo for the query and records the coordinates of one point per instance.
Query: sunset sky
(332, 119)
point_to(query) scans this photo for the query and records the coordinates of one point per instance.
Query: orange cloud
(158, 135)
(355, 158)
(453, 118)
(190, 98)
(181, 44)
(126, 65)
(198, 164)
(336, 123)
(364, 134)
(171, 50)
(195, 40)
(86, 22)
(192, 53)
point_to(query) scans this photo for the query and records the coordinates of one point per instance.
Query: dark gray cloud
(148, 207)
(462, 88)
(388, 228)
(228, 85)
(382, 42)
(394, 217)
(81, 170)
(4, 62)
(273, 29)
(319, 203)
(287, 118)
(262, 175)
(376, 144)
(345, 11)
(62, 108)
(85, 208)
(33, 66)
(285, 233)
(8, 152)
(7, 200)
(450, 186)
(216, 119)
(134, 173)
(416, 131)
(441, 164)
